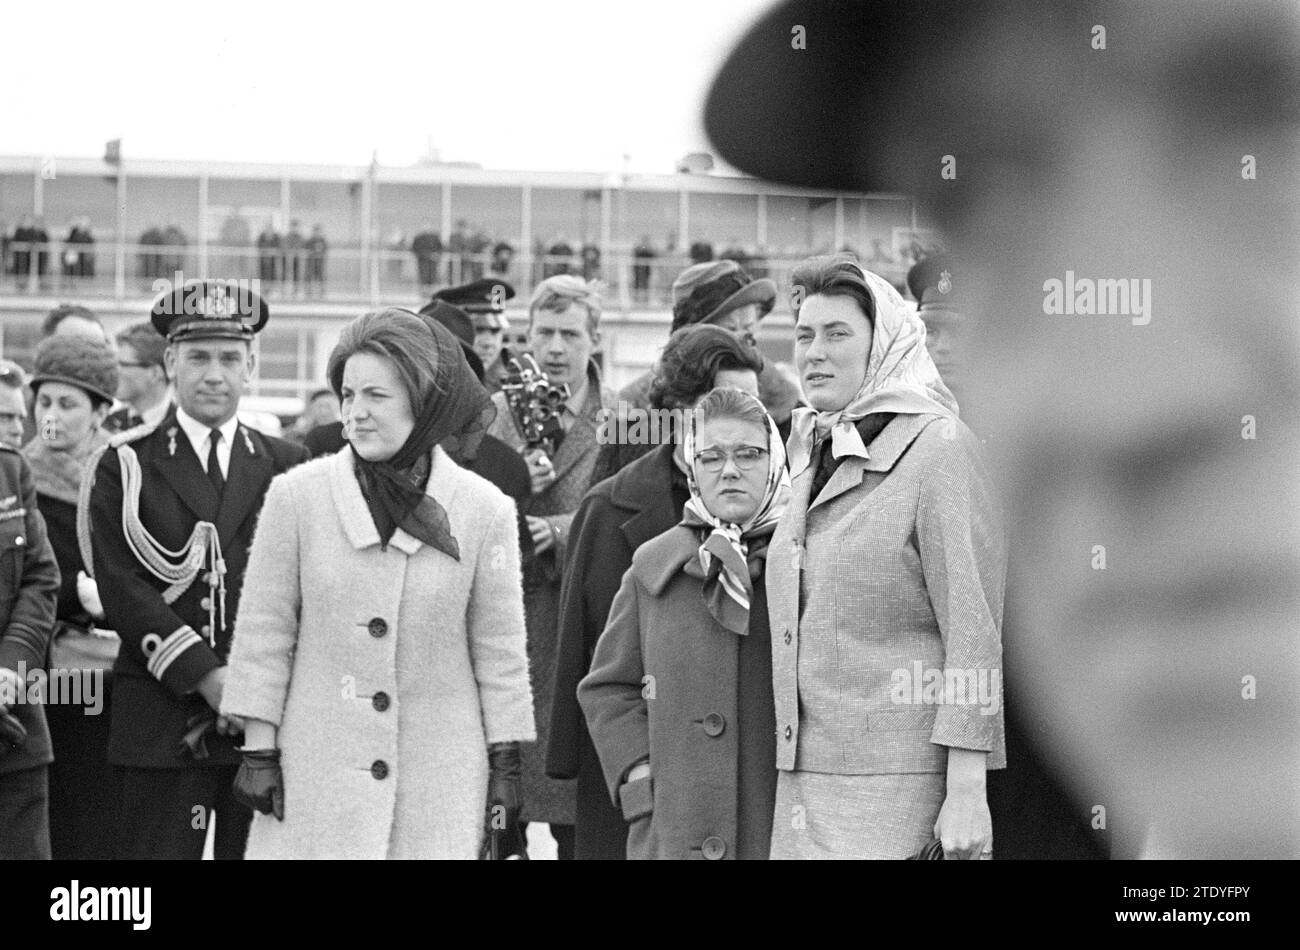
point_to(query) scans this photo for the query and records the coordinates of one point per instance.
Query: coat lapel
(649, 497)
(246, 482)
(182, 471)
(885, 450)
(580, 439)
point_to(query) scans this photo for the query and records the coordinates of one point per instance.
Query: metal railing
(353, 275)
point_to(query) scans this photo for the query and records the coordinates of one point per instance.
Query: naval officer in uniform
(172, 512)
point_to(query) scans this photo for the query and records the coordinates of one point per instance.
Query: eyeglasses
(745, 457)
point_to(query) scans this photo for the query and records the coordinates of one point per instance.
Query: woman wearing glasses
(679, 697)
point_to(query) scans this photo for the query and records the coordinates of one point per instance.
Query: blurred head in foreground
(1117, 179)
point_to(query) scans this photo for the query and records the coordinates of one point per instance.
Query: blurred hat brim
(761, 292)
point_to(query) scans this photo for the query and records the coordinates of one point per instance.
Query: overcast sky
(561, 84)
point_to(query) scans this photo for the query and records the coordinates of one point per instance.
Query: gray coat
(896, 569)
(670, 684)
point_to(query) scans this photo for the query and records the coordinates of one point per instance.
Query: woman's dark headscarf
(451, 408)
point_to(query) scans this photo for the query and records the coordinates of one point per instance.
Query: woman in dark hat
(73, 386)
(384, 584)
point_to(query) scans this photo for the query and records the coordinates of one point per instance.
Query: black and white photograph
(603, 431)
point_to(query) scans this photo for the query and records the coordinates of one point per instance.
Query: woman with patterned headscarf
(679, 697)
(379, 662)
(885, 591)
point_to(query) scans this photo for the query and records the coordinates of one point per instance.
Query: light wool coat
(388, 672)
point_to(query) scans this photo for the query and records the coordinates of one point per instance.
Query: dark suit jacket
(155, 676)
(615, 518)
(29, 586)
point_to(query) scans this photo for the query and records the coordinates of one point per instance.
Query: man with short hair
(563, 334)
(13, 404)
(142, 378)
(173, 509)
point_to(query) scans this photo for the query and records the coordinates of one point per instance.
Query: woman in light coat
(379, 661)
(884, 588)
(679, 697)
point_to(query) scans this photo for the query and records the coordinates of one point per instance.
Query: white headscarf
(900, 377)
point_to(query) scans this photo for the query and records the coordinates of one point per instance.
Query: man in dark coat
(615, 518)
(199, 466)
(29, 586)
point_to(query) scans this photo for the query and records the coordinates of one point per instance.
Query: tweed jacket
(388, 672)
(547, 799)
(885, 598)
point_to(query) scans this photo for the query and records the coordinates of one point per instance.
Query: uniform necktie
(214, 464)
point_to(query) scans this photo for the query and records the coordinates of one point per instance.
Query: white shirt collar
(197, 433)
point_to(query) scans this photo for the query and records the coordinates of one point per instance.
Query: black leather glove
(259, 783)
(502, 836)
(13, 735)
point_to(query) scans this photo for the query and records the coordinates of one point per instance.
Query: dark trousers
(164, 813)
(25, 815)
(83, 786)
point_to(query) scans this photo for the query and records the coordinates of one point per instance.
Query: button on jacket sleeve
(963, 557)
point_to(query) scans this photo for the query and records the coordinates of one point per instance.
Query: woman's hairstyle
(62, 312)
(398, 336)
(691, 360)
(559, 293)
(727, 403)
(835, 275)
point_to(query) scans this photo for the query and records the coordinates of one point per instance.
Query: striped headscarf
(728, 551)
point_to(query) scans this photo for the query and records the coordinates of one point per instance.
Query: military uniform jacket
(166, 649)
(29, 586)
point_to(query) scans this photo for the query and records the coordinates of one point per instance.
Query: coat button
(20, 540)
(714, 724)
(378, 627)
(788, 733)
(380, 769)
(714, 848)
(205, 603)
(379, 701)
(788, 638)
(206, 630)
